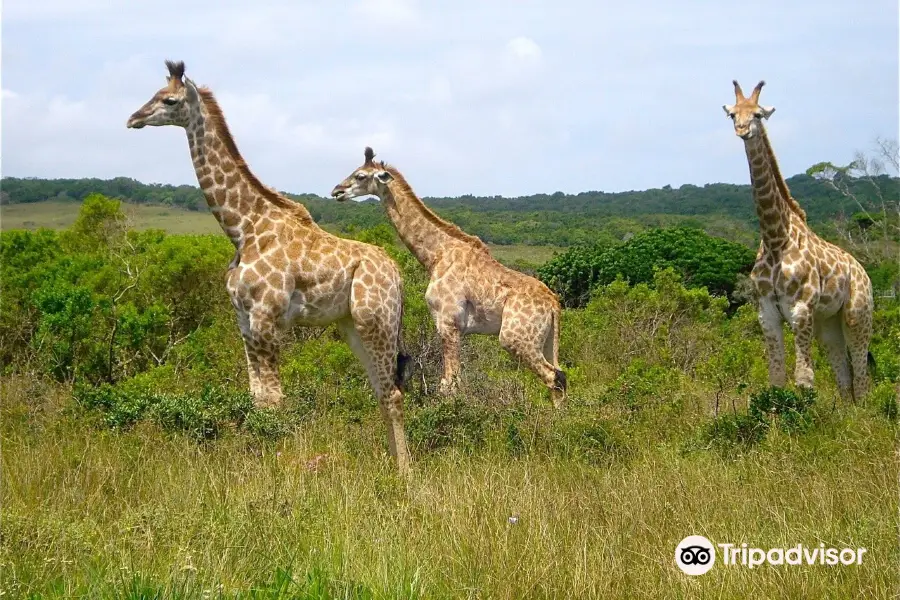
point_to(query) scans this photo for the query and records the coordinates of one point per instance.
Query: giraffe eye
(360, 176)
(170, 101)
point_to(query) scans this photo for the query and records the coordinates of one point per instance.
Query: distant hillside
(542, 219)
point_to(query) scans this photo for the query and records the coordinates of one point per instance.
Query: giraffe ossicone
(469, 291)
(819, 289)
(286, 269)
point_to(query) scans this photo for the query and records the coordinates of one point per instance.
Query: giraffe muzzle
(135, 123)
(339, 194)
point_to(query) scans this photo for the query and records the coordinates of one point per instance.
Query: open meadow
(134, 464)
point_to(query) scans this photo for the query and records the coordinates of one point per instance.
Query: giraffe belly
(316, 311)
(482, 321)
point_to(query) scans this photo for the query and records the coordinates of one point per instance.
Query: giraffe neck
(778, 178)
(236, 198)
(423, 232)
(773, 211)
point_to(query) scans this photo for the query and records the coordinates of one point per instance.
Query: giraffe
(469, 291)
(286, 269)
(820, 289)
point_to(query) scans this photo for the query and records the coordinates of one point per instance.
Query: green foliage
(643, 386)
(664, 324)
(886, 342)
(787, 409)
(734, 430)
(99, 302)
(790, 409)
(702, 261)
(448, 422)
(203, 415)
(885, 396)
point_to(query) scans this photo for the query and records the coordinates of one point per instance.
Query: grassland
(508, 498)
(60, 215)
(92, 513)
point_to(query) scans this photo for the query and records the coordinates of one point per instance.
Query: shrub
(701, 260)
(786, 408)
(448, 422)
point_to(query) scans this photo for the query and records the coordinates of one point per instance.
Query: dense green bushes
(702, 260)
(100, 303)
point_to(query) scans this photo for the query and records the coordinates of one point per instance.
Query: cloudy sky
(471, 96)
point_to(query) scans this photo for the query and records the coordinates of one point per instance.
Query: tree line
(540, 219)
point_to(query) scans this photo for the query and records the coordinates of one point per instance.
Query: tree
(872, 233)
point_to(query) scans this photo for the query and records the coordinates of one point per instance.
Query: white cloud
(524, 48)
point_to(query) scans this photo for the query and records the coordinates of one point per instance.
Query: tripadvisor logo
(695, 555)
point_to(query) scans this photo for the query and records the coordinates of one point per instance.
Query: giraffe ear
(727, 109)
(766, 111)
(190, 91)
(384, 177)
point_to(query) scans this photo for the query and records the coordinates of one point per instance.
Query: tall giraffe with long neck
(469, 291)
(286, 269)
(820, 289)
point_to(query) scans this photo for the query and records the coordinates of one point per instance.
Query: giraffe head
(747, 112)
(170, 105)
(370, 179)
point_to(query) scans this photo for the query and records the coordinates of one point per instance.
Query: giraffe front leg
(770, 321)
(249, 353)
(802, 325)
(450, 339)
(263, 348)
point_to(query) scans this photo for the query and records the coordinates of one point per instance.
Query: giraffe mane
(218, 119)
(779, 179)
(447, 227)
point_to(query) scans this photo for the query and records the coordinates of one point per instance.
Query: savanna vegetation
(135, 465)
(555, 219)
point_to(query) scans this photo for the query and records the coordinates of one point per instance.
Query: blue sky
(495, 97)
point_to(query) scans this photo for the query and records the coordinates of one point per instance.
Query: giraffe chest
(787, 282)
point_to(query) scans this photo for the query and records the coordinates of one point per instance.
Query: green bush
(790, 409)
(204, 414)
(448, 422)
(787, 409)
(734, 430)
(700, 259)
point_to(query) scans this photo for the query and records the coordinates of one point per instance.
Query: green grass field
(91, 513)
(59, 215)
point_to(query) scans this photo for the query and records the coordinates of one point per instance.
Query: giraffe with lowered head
(469, 291)
(820, 289)
(286, 269)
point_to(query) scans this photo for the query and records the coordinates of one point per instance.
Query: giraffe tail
(404, 360)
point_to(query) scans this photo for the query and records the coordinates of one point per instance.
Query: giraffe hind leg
(529, 349)
(857, 328)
